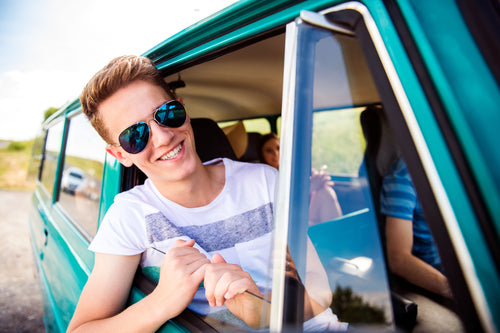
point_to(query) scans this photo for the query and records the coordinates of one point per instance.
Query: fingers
(236, 287)
(320, 179)
(182, 270)
(225, 281)
(225, 286)
(183, 261)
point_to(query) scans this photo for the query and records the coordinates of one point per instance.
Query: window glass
(51, 154)
(82, 174)
(342, 223)
(259, 125)
(338, 141)
(335, 240)
(35, 165)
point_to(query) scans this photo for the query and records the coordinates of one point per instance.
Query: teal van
(352, 85)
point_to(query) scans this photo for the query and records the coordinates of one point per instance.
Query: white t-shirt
(237, 224)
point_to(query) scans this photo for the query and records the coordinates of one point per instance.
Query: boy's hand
(182, 271)
(225, 284)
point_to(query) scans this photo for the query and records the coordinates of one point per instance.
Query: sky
(49, 49)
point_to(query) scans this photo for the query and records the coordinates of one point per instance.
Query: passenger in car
(324, 205)
(411, 251)
(206, 218)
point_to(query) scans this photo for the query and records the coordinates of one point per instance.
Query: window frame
(62, 146)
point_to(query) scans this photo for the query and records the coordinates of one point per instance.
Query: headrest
(238, 138)
(252, 152)
(379, 137)
(210, 140)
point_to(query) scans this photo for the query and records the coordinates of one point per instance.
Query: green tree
(47, 113)
(351, 308)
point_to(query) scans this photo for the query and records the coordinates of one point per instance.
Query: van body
(352, 85)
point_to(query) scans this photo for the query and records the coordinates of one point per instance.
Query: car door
(347, 73)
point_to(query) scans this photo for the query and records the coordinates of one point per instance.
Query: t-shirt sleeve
(121, 231)
(398, 197)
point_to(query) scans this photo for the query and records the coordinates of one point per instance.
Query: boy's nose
(160, 135)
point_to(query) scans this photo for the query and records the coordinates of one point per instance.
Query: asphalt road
(20, 298)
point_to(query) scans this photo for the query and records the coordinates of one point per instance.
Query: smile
(172, 154)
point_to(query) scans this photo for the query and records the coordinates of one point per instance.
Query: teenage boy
(207, 223)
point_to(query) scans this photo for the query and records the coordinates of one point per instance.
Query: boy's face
(134, 103)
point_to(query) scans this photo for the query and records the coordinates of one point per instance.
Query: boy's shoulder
(139, 195)
(239, 166)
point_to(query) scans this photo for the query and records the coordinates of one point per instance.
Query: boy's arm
(107, 290)
(402, 262)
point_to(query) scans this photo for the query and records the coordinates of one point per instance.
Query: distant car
(72, 179)
(347, 84)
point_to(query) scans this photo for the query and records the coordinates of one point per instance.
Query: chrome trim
(75, 112)
(450, 220)
(320, 20)
(283, 201)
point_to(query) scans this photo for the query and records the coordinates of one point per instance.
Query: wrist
(159, 309)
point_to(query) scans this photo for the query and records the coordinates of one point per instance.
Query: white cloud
(61, 44)
(25, 95)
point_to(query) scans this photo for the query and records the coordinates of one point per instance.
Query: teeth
(172, 154)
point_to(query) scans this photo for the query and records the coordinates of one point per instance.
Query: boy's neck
(198, 190)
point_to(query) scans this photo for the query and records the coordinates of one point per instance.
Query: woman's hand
(320, 179)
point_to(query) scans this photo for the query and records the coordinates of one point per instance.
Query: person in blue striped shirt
(411, 251)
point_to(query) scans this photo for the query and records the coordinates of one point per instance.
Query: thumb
(218, 259)
(183, 243)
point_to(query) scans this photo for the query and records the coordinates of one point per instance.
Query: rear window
(50, 156)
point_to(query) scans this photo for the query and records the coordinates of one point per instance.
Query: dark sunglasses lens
(135, 138)
(171, 114)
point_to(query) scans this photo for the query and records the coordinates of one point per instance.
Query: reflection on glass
(349, 246)
(344, 267)
(51, 154)
(82, 174)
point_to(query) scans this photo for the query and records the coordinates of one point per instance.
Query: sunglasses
(135, 138)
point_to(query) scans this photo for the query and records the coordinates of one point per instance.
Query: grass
(14, 162)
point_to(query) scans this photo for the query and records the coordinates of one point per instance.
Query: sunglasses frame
(154, 113)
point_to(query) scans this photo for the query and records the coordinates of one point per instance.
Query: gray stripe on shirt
(214, 236)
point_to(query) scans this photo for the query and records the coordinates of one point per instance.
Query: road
(20, 298)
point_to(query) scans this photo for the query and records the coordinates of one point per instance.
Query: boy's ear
(118, 153)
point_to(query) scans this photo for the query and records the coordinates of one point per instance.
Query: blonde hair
(120, 72)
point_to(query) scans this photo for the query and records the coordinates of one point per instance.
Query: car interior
(246, 82)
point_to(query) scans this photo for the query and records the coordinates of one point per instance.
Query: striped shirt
(399, 199)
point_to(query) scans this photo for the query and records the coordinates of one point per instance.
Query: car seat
(210, 140)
